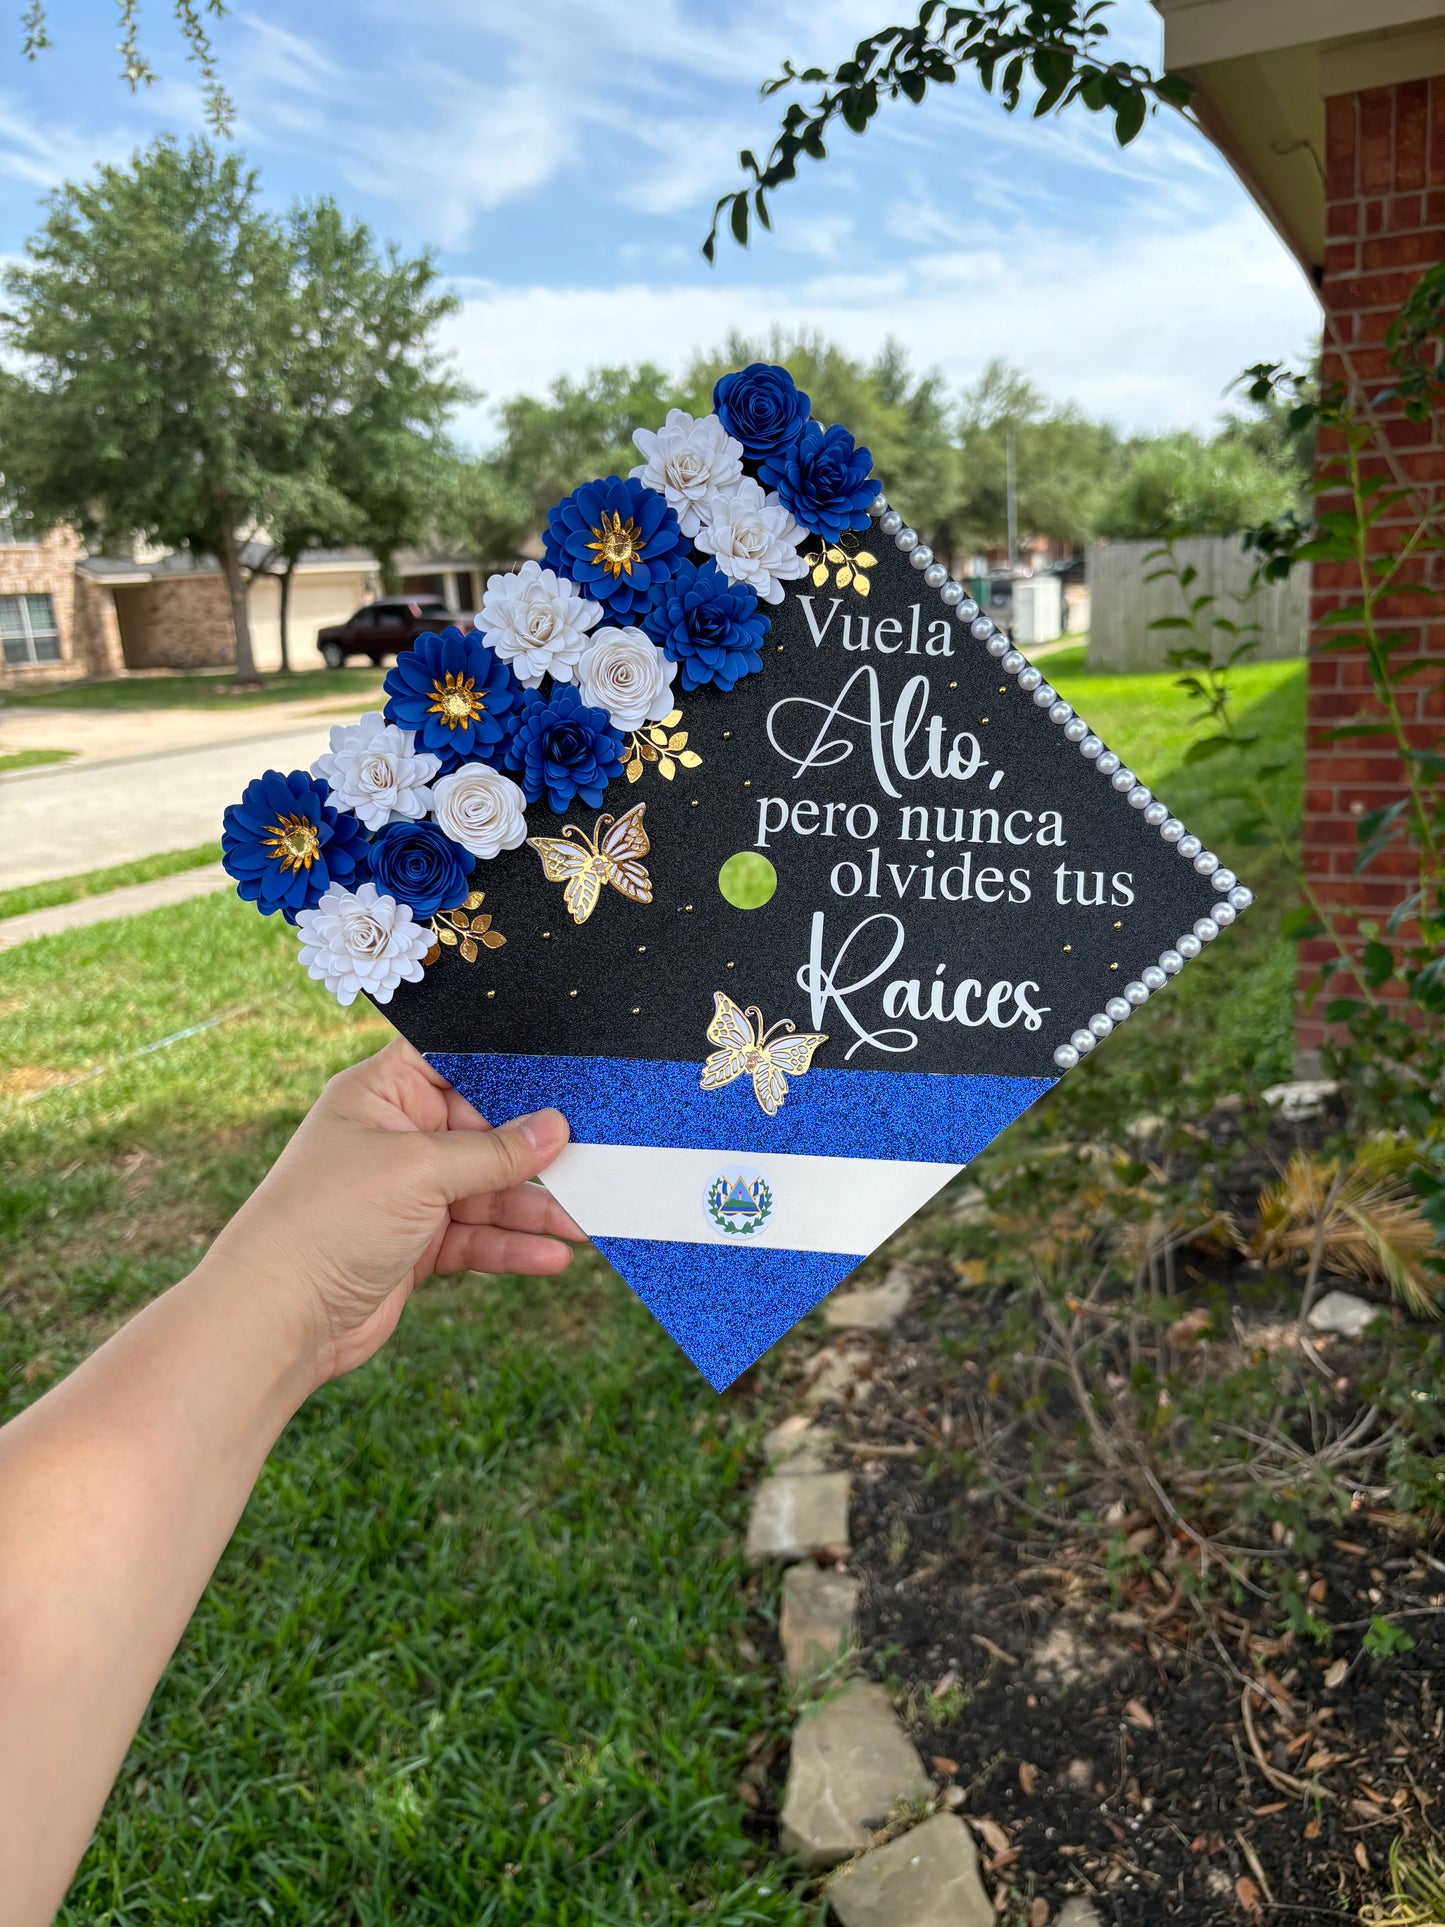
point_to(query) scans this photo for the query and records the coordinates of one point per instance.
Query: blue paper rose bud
(762, 407)
(420, 866)
(823, 480)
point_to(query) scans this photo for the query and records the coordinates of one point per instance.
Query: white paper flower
(373, 769)
(481, 809)
(626, 674)
(691, 463)
(537, 621)
(754, 539)
(357, 940)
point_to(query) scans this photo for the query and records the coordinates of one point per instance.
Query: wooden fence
(1123, 603)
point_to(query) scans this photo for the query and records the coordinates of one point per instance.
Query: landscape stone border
(858, 1799)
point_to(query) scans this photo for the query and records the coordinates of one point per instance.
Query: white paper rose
(357, 940)
(626, 674)
(373, 769)
(754, 539)
(537, 621)
(481, 809)
(690, 462)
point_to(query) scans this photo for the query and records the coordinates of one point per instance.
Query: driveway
(57, 821)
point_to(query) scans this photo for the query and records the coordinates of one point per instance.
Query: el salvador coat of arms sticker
(736, 660)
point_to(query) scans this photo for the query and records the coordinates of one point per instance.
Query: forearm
(119, 1491)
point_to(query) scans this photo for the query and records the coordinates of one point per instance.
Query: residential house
(66, 615)
(1332, 113)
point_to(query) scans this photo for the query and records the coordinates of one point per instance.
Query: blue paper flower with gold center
(456, 695)
(615, 540)
(710, 627)
(284, 844)
(824, 479)
(563, 748)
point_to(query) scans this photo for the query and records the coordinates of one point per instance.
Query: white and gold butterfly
(751, 1050)
(609, 855)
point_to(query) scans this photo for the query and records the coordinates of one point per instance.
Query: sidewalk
(104, 734)
(73, 817)
(179, 888)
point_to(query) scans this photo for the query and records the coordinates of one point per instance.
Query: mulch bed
(1105, 1736)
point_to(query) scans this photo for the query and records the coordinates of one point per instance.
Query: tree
(150, 316)
(369, 398)
(1060, 43)
(1182, 485)
(197, 372)
(1059, 458)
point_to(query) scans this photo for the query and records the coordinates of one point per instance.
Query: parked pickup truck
(382, 628)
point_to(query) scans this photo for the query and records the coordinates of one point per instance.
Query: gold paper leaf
(657, 734)
(678, 741)
(483, 922)
(446, 935)
(689, 759)
(431, 956)
(844, 576)
(672, 719)
(647, 753)
(820, 575)
(493, 939)
(666, 767)
(475, 897)
(836, 555)
(634, 771)
(862, 584)
(468, 950)
(863, 560)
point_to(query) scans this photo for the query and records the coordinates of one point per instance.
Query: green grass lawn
(1231, 1012)
(200, 689)
(477, 1651)
(93, 883)
(13, 759)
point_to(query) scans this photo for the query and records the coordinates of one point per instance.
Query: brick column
(1385, 207)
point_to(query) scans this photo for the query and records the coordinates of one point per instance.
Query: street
(59, 821)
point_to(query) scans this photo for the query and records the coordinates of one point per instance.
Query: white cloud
(1146, 329)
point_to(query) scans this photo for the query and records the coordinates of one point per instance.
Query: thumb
(467, 1163)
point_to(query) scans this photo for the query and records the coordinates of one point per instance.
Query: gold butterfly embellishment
(748, 1049)
(609, 855)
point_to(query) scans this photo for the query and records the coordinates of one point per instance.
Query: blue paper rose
(712, 628)
(420, 866)
(824, 480)
(455, 694)
(762, 407)
(284, 843)
(615, 540)
(564, 749)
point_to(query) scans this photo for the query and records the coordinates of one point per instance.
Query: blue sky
(562, 157)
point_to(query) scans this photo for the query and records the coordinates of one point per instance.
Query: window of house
(27, 629)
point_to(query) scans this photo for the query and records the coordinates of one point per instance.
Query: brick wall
(178, 622)
(46, 567)
(1385, 206)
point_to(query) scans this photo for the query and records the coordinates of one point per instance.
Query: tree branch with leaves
(136, 70)
(1060, 44)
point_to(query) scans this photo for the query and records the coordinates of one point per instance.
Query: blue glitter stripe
(828, 1113)
(722, 1305)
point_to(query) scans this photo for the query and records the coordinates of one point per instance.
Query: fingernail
(542, 1128)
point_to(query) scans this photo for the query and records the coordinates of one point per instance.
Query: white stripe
(818, 1203)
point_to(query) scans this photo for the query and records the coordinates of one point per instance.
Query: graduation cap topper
(738, 649)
